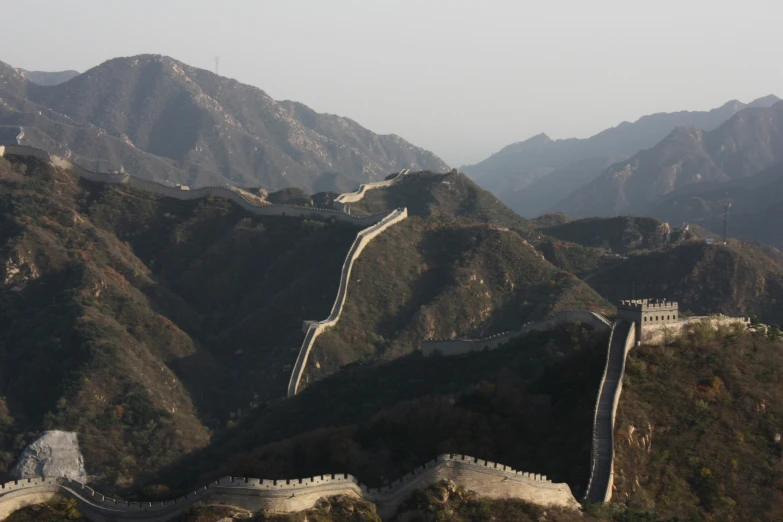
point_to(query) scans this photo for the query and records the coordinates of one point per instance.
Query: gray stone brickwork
(486, 478)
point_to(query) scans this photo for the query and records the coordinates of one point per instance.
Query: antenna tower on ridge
(726, 207)
(217, 65)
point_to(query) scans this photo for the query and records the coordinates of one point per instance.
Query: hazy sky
(461, 78)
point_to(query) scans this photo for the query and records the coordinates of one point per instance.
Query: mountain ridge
(167, 120)
(532, 175)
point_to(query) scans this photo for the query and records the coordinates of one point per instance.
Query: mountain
(532, 175)
(162, 119)
(143, 322)
(429, 278)
(740, 279)
(48, 78)
(747, 143)
(755, 212)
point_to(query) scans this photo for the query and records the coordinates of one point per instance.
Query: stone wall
(314, 329)
(450, 347)
(661, 333)
(232, 193)
(622, 339)
(486, 478)
(352, 197)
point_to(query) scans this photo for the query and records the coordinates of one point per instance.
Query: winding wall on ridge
(621, 340)
(234, 194)
(314, 329)
(485, 478)
(352, 197)
(449, 347)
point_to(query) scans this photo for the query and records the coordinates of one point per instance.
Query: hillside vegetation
(141, 322)
(528, 405)
(741, 279)
(426, 278)
(697, 433)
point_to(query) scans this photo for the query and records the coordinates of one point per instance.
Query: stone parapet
(290, 495)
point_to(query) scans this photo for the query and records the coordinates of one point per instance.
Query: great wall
(314, 329)
(237, 195)
(485, 478)
(378, 223)
(448, 347)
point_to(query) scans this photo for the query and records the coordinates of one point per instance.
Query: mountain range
(686, 161)
(534, 175)
(165, 120)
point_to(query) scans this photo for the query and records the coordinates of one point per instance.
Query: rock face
(54, 454)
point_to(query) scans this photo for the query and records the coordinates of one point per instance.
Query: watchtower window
(668, 317)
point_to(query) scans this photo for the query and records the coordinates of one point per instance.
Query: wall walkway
(485, 478)
(314, 329)
(450, 347)
(621, 340)
(352, 197)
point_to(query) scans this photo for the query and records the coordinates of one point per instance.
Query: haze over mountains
(533, 175)
(48, 78)
(163, 119)
(688, 159)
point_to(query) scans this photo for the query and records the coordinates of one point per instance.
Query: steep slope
(741, 279)
(141, 321)
(49, 78)
(201, 127)
(427, 279)
(749, 142)
(696, 429)
(442, 196)
(532, 175)
(528, 404)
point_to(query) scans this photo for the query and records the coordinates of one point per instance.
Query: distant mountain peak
(765, 101)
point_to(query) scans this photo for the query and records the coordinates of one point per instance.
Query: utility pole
(217, 65)
(726, 207)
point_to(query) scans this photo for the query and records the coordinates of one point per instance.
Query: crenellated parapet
(486, 478)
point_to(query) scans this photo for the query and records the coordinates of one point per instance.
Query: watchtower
(648, 312)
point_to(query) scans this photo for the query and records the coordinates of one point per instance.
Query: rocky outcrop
(53, 454)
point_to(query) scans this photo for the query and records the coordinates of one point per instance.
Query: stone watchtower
(648, 312)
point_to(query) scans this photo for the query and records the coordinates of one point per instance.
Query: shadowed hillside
(140, 321)
(741, 279)
(528, 405)
(426, 278)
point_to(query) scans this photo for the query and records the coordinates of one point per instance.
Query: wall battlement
(648, 304)
(484, 477)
